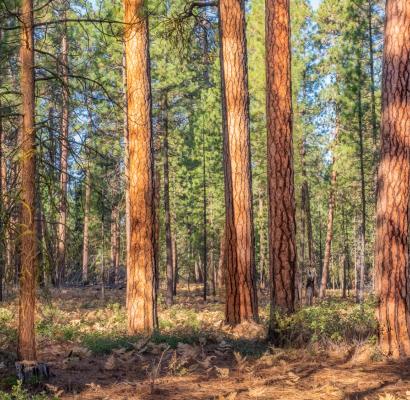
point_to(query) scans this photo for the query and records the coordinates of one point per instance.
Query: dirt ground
(190, 360)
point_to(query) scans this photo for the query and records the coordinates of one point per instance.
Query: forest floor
(194, 356)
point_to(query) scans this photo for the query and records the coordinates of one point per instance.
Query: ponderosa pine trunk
(86, 225)
(174, 265)
(281, 196)
(392, 242)
(62, 219)
(241, 299)
(169, 298)
(330, 218)
(141, 300)
(26, 335)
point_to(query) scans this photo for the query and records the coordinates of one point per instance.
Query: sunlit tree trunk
(241, 300)
(392, 242)
(62, 219)
(26, 336)
(141, 268)
(281, 196)
(86, 225)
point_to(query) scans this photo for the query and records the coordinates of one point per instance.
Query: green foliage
(18, 392)
(331, 321)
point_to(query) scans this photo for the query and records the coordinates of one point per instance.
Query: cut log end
(29, 371)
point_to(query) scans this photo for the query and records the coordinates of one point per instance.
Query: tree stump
(29, 371)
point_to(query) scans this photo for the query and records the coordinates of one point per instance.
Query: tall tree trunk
(241, 299)
(262, 242)
(62, 219)
(168, 230)
(281, 196)
(392, 273)
(204, 218)
(86, 225)
(371, 64)
(115, 242)
(330, 216)
(26, 335)
(157, 204)
(141, 300)
(362, 228)
(126, 163)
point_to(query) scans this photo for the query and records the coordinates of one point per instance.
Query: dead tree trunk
(392, 242)
(241, 300)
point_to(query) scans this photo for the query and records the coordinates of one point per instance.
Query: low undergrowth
(330, 321)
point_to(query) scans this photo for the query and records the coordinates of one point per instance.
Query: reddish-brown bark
(241, 300)
(141, 266)
(26, 336)
(282, 224)
(392, 242)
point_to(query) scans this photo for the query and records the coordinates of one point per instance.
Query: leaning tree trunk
(141, 269)
(26, 335)
(62, 220)
(281, 197)
(392, 274)
(241, 300)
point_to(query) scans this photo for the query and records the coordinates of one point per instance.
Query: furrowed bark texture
(241, 301)
(282, 224)
(26, 336)
(140, 277)
(391, 258)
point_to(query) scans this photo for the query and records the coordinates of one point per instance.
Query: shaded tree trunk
(26, 335)
(86, 226)
(330, 217)
(282, 223)
(62, 219)
(392, 242)
(168, 231)
(362, 228)
(141, 301)
(115, 242)
(174, 265)
(241, 300)
(126, 164)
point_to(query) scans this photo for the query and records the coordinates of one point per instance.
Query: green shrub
(332, 320)
(19, 393)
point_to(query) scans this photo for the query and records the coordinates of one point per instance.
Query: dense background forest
(195, 154)
(336, 70)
